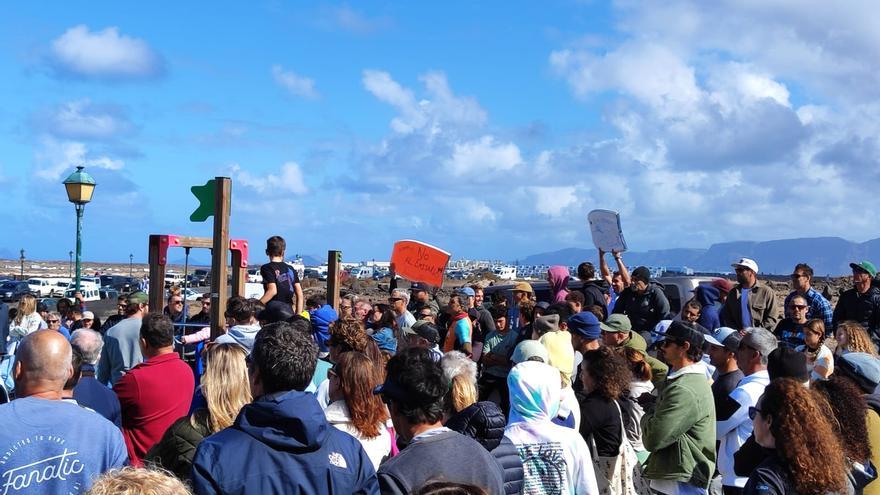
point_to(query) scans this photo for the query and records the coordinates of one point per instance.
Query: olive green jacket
(680, 430)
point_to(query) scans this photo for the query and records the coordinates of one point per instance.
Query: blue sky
(488, 129)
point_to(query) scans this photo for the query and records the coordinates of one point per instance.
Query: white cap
(746, 263)
(88, 315)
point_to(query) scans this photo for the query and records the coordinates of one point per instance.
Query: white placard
(606, 231)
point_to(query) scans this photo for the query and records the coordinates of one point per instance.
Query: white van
(40, 287)
(173, 278)
(361, 272)
(89, 290)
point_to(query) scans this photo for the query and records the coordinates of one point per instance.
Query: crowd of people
(571, 387)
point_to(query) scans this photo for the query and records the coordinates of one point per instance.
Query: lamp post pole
(22, 263)
(130, 262)
(70, 265)
(79, 216)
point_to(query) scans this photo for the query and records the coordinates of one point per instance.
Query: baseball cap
(546, 323)
(425, 330)
(865, 266)
(418, 286)
(466, 291)
(746, 263)
(641, 273)
(725, 337)
(524, 287)
(88, 315)
(722, 284)
(585, 325)
(616, 323)
(861, 367)
(785, 362)
(138, 297)
(682, 332)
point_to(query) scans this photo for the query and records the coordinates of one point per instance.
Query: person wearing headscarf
(558, 277)
(555, 459)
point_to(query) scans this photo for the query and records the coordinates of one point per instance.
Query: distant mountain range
(826, 255)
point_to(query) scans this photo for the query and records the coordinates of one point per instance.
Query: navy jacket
(484, 422)
(93, 394)
(282, 443)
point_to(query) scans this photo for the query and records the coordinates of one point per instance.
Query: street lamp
(130, 261)
(70, 265)
(22, 263)
(80, 186)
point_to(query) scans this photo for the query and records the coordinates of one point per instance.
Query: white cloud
(552, 200)
(53, 158)
(104, 55)
(289, 179)
(483, 155)
(348, 19)
(294, 83)
(82, 119)
(441, 109)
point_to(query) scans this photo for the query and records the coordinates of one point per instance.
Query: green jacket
(680, 432)
(658, 368)
(177, 447)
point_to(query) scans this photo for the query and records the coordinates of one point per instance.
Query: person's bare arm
(297, 287)
(270, 292)
(603, 268)
(624, 273)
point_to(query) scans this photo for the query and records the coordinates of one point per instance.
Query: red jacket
(153, 395)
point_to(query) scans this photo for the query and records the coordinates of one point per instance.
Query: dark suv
(12, 290)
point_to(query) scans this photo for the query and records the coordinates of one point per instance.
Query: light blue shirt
(744, 306)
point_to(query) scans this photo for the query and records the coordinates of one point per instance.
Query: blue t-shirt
(51, 446)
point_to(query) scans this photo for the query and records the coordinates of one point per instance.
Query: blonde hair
(134, 481)
(225, 384)
(26, 306)
(857, 338)
(461, 372)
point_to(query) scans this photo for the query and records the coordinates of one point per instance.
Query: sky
(489, 129)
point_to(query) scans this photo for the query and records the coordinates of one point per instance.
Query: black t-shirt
(723, 386)
(769, 478)
(600, 418)
(283, 276)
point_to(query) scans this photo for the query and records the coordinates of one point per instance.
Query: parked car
(59, 288)
(40, 287)
(254, 276)
(12, 290)
(199, 277)
(108, 293)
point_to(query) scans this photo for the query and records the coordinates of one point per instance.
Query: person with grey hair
(732, 417)
(89, 392)
(398, 301)
(52, 446)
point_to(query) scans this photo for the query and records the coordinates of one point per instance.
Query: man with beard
(643, 302)
(750, 303)
(862, 302)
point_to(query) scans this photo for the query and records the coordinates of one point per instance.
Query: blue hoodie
(321, 319)
(282, 443)
(708, 297)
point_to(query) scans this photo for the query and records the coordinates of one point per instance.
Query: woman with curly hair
(820, 360)
(606, 377)
(852, 337)
(847, 410)
(807, 457)
(354, 408)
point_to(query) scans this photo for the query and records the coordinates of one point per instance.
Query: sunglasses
(394, 299)
(177, 302)
(53, 321)
(797, 306)
(425, 315)
(753, 411)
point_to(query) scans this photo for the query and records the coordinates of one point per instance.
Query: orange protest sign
(419, 262)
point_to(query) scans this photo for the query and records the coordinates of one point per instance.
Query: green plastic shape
(205, 195)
